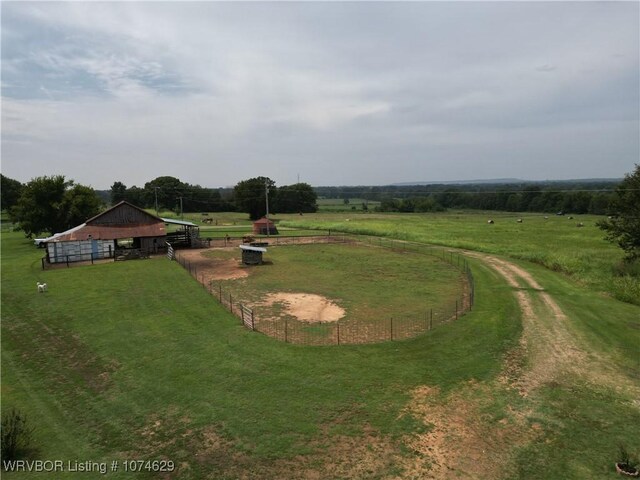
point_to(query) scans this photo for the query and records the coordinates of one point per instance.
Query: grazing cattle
(546, 217)
(519, 220)
(570, 217)
(580, 224)
(490, 222)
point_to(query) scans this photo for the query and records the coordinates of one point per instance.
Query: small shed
(252, 255)
(264, 226)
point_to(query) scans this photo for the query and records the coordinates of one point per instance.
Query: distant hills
(507, 181)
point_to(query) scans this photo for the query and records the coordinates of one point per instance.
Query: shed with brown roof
(264, 226)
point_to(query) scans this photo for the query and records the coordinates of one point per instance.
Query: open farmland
(549, 240)
(136, 360)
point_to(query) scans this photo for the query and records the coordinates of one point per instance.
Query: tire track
(550, 347)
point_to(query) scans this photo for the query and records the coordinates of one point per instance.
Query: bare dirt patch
(209, 269)
(307, 307)
(460, 441)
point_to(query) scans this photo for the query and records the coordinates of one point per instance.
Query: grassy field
(554, 242)
(369, 283)
(338, 204)
(134, 360)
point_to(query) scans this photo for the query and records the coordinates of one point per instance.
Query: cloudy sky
(335, 93)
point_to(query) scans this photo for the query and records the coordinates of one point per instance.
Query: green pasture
(118, 350)
(369, 283)
(555, 242)
(136, 360)
(338, 204)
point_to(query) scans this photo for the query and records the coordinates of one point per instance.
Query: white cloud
(197, 88)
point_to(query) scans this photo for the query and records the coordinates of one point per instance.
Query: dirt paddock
(305, 307)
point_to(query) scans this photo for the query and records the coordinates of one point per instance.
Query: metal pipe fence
(375, 330)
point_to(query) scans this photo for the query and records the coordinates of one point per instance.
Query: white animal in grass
(42, 287)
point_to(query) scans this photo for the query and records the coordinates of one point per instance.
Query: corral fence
(171, 253)
(284, 238)
(374, 330)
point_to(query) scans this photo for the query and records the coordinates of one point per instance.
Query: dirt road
(459, 444)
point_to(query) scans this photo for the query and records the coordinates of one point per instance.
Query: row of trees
(167, 193)
(250, 196)
(530, 199)
(593, 197)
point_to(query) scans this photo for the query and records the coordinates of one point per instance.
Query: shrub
(15, 435)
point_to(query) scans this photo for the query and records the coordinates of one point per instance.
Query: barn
(124, 229)
(264, 226)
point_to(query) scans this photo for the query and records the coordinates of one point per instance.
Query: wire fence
(374, 330)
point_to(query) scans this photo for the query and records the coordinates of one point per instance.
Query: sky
(328, 93)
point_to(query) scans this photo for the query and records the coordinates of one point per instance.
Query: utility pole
(156, 191)
(266, 191)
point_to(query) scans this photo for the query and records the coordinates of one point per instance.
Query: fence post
(67, 261)
(220, 296)
(253, 325)
(91, 258)
(242, 313)
(42, 263)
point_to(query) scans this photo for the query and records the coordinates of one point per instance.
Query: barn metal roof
(264, 220)
(173, 221)
(253, 249)
(55, 236)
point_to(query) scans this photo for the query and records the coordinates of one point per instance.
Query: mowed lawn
(370, 283)
(134, 360)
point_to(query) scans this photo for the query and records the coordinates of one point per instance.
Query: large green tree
(250, 196)
(118, 192)
(168, 190)
(53, 204)
(296, 198)
(79, 203)
(10, 190)
(623, 227)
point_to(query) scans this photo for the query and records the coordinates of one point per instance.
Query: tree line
(52, 204)
(249, 196)
(594, 197)
(55, 204)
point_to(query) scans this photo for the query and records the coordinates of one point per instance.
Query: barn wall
(153, 244)
(125, 215)
(80, 250)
